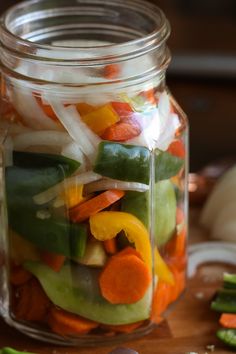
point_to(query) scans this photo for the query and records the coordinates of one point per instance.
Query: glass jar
(93, 171)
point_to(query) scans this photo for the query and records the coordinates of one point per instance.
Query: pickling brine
(94, 161)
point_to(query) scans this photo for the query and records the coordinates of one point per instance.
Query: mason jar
(94, 158)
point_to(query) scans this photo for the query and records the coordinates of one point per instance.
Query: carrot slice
(52, 260)
(124, 280)
(127, 328)
(111, 71)
(110, 246)
(32, 303)
(161, 300)
(122, 131)
(228, 320)
(92, 206)
(65, 323)
(177, 148)
(19, 275)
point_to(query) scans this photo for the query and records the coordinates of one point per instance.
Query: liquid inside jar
(96, 201)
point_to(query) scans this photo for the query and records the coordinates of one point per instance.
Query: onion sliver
(105, 184)
(31, 113)
(73, 151)
(70, 121)
(53, 192)
(44, 137)
(210, 252)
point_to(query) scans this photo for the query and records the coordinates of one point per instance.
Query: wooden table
(190, 325)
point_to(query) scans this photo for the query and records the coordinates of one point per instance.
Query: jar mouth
(84, 32)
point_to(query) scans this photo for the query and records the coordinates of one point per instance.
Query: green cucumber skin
(133, 163)
(75, 289)
(228, 336)
(137, 203)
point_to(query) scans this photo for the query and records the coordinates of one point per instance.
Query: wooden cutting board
(190, 325)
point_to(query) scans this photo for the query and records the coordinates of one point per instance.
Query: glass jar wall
(93, 171)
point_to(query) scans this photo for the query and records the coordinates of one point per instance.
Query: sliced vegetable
(161, 269)
(54, 261)
(101, 118)
(123, 162)
(21, 249)
(41, 138)
(106, 183)
(228, 336)
(166, 165)
(84, 108)
(8, 350)
(229, 281)
(123, 131)
(225, 301)
(52, 235)
(164, 211)
(75, 289)
(132, 163)
(18, 275)
(72, 195)
(110, 246)
(33, 173)
(107, 224)
(164, 201)
(137, 203)
(123, 109)
(53, 192)
(228, 320)
(130, 283)
(94, 255)
(92, 206)
(31, 302)
(177, 148)
(161, 300)
(65, 323)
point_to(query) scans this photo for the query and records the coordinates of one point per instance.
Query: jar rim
(108, 53)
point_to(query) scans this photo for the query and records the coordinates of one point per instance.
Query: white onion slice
(45, 137)
(51, 193)
(210, 252)
(30, 111)
(73, 151)
(105, 184)
(70, 119)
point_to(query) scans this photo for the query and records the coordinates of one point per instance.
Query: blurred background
(202, 75)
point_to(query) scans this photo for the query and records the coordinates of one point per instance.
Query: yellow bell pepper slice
(70, 197)
(107, 224)
(101, 119)
(161, 269)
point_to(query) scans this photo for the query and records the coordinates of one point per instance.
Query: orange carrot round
(124, 280)
(228, 320)
(66, 323)
(92, 206)
(161, 300)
